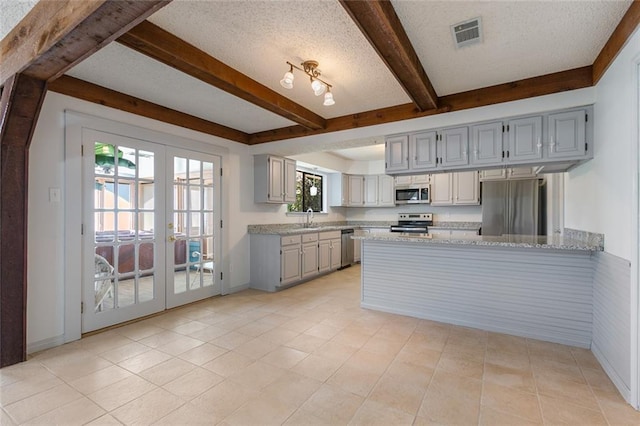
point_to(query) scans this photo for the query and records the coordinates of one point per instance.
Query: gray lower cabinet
(280, 261)
(290, 250)
(324, 256)
(336, 253)
(329, 251)
(309, 260)
(357, 250)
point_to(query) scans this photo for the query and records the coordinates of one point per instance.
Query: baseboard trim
(238, 288)
(613, 375)
(41, 345)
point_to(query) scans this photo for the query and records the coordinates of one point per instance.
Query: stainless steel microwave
(413, 194)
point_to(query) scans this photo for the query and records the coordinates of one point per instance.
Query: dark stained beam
(516, 90)
(617, 41)
(101, 95)
(153, 41)
(563, 81)
(379, 23)
(56, 35)
(20, 104)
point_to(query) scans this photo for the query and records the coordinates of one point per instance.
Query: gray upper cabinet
(453, 147)
(566, 134)
(397, 153)
(525, 139)
(274, 179)
(289, 181)
(356, 191)
(422, 151)
(554, 141)
(486, 143)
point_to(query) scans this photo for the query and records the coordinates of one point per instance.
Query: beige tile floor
(305, 356)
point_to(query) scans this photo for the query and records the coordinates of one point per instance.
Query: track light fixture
(318, 85)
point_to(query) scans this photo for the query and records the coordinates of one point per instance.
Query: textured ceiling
(364, 153)
(120, 68)
(521, 39)
(258, 37)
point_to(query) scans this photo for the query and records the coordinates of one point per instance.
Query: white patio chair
(103, 281)
(208, 266)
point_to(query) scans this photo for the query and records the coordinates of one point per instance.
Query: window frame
(323, 190)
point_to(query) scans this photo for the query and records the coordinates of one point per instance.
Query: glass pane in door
(124, 241)
(194, 228)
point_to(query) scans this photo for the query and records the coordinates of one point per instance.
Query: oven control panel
(416, 216)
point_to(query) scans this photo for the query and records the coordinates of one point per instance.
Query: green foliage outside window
(304, 184)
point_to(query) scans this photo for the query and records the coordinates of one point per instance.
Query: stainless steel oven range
(413, 223)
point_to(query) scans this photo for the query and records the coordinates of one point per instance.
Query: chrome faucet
(309, 217)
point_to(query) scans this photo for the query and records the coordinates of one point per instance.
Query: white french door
(193, 249)
(151, 228)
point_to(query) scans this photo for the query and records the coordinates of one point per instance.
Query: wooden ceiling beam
(617, 41)
(56, 35)
(379, 23)
(516, 90)
(20, 104)
(84, 90)
(153, 41)
(562, 81)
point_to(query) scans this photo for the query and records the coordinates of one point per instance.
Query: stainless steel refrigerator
(513, 207)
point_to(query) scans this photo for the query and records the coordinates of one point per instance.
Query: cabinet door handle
(539, 145)
(552, 144)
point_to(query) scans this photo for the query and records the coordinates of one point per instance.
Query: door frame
(75, 122)
(635, 242)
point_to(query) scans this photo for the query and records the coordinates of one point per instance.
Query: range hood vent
(467, 33)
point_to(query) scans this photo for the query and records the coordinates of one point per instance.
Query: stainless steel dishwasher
(347, 248)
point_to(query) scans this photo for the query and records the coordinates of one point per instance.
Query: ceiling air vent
(467, 33)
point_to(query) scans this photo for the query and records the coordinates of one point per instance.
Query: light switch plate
(54, 195)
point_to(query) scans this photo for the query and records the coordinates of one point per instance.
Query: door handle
(172, 238)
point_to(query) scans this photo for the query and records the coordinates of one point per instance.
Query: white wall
(602, 196)
(598, 193)
(440, 214)
(46, 283)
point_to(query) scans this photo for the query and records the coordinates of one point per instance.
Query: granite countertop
(459, 226)
(296, 228)
(515, 241)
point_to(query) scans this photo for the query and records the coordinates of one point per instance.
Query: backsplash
(585, 236)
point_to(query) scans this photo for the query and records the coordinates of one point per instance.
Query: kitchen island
(530, 286)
